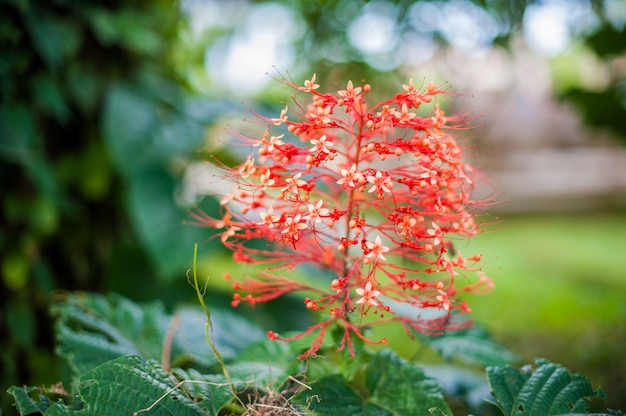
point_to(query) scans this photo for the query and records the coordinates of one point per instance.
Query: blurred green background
(109, 111)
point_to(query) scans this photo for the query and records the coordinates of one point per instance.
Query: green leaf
(103, 24)
(92, 329)
(250, 373)
(214, 389)
(608, 40)
(84, 86)
(159, 222)
(601, 108)
(49, 97)
(473, 346)
(129, 384)
(151, 123)
(20, 321)
(139, 38)
(25, 404)
(467, 386)
(129, 28)
(54, 37)
(391, 386)
(19, 135)
(332, 395)
(397, 384)
(543, 389)
(22, 143)
(148, 128)
(257, 373)
(270, 361)
(15, 267)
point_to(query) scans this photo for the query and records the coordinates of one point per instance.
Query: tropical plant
(319, 196)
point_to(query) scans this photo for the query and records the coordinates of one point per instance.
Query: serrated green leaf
(505, 383)
(611, 413)
(129, 384)
(213, 389)
(402, 387)
(92, 329)
(539, 390)
(391, 386)
(25, 404)
(332, 396)
(257, 373)
(544, 389)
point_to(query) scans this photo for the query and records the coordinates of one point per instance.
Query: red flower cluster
(374, 195)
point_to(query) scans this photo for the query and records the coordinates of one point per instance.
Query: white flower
(376, 249)
(321, 145)
(380, 182)
(367, 294)
(268, 218)
(350, 177)
(316, 212)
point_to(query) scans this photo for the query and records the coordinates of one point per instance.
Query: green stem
(208, 328)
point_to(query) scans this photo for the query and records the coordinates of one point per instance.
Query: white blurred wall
(537, 151)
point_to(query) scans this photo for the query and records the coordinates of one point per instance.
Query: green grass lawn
(555, 273)
(560, 291)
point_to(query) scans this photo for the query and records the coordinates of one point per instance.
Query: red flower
(373, 194)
